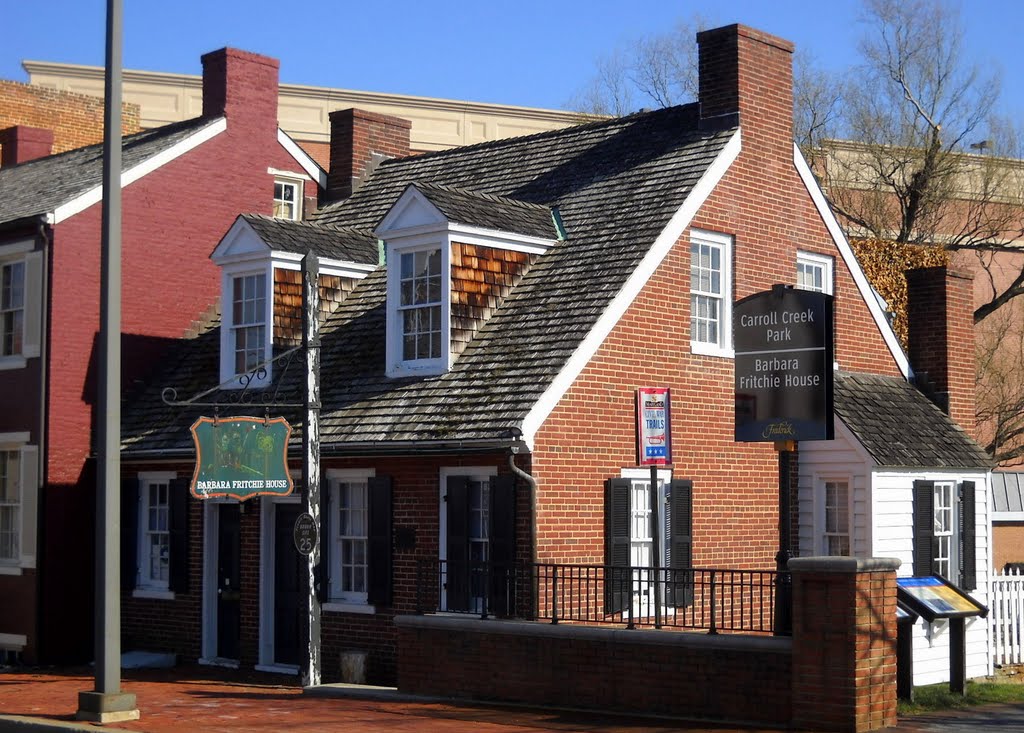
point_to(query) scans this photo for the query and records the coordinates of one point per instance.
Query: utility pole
(107, 704)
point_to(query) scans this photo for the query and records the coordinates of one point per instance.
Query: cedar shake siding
(481, 278)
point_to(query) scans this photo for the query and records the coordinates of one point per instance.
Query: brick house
(182, 186)
(491, 313)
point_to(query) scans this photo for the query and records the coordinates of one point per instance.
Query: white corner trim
(825, 211)
(309, 165)
(636, 282)
(94, 195)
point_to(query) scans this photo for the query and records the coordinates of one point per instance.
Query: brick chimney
(747, 76)
(940, 339)
(242, 86)
(360, 140)
(20, 144)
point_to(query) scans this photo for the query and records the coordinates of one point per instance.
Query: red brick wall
(654, 672)
(940, 336)
(735, 485)
(76, 119)
(356, 135)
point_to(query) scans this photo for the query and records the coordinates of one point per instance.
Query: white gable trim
(636, 282)
(95, 195)
(866, 292)
(241, 243)
(413, 213)
(309, 165)
(327, 266)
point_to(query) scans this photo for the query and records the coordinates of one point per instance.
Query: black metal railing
(710, 599)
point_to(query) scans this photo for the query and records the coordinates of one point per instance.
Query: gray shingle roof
(299, 237)
(40, 186)
(615, 183)
(900, 427)
(1007, 492)
(490, 212)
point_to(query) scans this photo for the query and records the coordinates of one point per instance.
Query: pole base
(102, 707)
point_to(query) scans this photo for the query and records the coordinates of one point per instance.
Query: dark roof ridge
(481, 195)
(144, 135)
(310, 223)
(522, 139)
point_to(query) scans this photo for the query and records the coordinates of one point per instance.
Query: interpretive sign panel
(935, 597)
(784, 356)
(653, 426)
(241, 457)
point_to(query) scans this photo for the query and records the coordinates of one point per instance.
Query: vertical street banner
(653, 426)
(784, 362)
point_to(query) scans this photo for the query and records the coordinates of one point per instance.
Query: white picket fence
(1006, 614)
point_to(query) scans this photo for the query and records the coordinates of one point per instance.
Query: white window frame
(724, 243)
(296, 184)
(643, 591)
(397, 364)
(11, 502)
(339, 600)
(950, 537)
(32, 301)
(27, 501)
(824, 533)
(145, 584)
(229, 378)
(812, 260)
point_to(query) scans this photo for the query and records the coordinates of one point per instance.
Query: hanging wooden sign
(241, 457)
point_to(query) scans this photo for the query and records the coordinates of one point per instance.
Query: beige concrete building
(303, 110)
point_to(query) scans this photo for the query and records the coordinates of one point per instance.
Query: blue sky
(530, 52)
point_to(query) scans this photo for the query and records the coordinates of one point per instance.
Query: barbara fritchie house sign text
(784, 357)
(241, 457)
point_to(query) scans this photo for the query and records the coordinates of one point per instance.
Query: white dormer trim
(543, 407)
(241, 268)
(95, 195)
(861, 280)
(309, 165)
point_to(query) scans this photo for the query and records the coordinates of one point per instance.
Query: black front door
(289, 589)
(229, 575)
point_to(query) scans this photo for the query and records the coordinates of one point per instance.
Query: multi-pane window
(10, 505)
(479, 496)
(351, 539)
(248, 321)
(420, 304)
(814, 272)
(286, 200)
(12, 307)
(944, 545)
(155, 537)
(710, 292)
(837, 518)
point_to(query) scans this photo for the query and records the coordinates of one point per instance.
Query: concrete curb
(26, 724)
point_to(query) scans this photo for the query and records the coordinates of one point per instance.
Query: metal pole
(783, 582)
(311, 454)
(107, 703)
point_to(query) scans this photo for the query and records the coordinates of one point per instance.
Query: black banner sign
(784, 357)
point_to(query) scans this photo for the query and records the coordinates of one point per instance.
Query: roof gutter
(367, 448)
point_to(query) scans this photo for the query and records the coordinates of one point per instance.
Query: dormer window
(452, 258)
(287, 199)
(248, 321)
(420, 305)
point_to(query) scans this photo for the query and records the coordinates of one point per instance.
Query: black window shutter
(322, 571)
(924, 527)
(502, 534)
(378, 494)
(968, 538)
(129, 532)
(680, 585)
(618, 576)
(457, 564)
(177, 498)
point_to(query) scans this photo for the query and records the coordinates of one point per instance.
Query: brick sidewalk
(212, 700)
